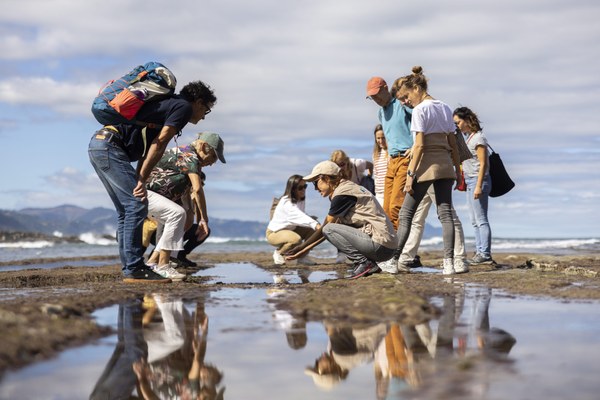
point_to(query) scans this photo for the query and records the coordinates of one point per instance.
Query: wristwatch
(410, 173)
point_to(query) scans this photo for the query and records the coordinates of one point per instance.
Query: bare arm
(417, 154)
(455, 158)
(155, 152)
(199, 203)
(483, 161)
(314, 240)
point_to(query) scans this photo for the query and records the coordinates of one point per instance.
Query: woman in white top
(380, 162)
(290, 225)
(479, 184)
(434, 161)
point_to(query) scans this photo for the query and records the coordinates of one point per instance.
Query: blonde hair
(339, 157)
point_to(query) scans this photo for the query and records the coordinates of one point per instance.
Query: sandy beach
(43, 312)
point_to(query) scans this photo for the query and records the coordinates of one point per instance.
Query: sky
(290, 80)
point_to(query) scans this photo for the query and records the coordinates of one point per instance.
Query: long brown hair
(376, 147)
(291, 186)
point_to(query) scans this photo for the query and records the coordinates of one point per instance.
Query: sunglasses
(301, 187)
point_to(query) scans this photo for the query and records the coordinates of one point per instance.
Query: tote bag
(501, 182)
(463, 150)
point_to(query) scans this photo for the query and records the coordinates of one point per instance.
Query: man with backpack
(113, 148)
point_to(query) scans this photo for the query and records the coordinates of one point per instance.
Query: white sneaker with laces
(167, 271)
(460, 267)
(390, 266)
(448, 266)
(278, 258)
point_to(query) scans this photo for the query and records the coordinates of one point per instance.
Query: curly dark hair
(198, 90)
(469, 117)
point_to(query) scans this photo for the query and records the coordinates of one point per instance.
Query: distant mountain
(72, 220)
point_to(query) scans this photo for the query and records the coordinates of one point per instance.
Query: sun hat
(323, 168)
(214, 141)
(374, 84)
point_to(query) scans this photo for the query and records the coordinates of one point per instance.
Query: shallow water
(485, 344)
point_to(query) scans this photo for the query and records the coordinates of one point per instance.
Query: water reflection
(160, 353)
(430, 359)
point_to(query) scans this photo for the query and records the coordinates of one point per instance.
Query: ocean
(98, 246)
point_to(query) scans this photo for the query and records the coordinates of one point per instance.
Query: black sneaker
(145, 275)
(479, 259)
(184, 262)
(416, 262)
(364, 269)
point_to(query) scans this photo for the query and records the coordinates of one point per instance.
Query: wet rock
(59, 311)
(573, 270)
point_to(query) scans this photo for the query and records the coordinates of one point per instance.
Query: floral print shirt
(169, 176)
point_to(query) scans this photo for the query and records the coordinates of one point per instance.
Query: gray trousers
(443, 200)
(355, 244)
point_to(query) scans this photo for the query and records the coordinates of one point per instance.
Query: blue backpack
(118, 101)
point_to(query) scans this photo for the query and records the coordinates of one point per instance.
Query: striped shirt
(379, 171)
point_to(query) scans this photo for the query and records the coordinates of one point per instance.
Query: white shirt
(432, 116)
(288, 215)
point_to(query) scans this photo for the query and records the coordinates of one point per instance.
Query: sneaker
(390, 266)
(415, 263)
(448, 267)
(145, 275)
(186, 262)
(306, 261)
(479, 259)
(403, 268)
(278, 258)
(460, 266)
(364, 269)
(167, 271)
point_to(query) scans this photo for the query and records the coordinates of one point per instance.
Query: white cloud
(290, 76)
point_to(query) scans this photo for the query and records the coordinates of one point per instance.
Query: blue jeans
(119, 178)
(478, 209)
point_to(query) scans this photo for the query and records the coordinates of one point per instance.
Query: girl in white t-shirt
(479, 184)
(434, 161)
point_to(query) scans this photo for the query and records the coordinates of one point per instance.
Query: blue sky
(290, 80)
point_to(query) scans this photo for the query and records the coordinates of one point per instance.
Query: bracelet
(410, 173)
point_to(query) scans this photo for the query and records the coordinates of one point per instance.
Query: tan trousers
(286, 239)
(393, 192)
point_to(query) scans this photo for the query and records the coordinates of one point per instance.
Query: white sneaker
(167, 271)
(278, 258)
(390, 266)
(448, 267)
(306, 261)
(460, 267)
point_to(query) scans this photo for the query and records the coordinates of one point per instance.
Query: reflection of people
(175, 366)
(290, 225)
(355, 224)
(294, 327)
(112, 150)
(348, 347)
(118, 379)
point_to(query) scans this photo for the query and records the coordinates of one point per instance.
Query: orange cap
(374, 84)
